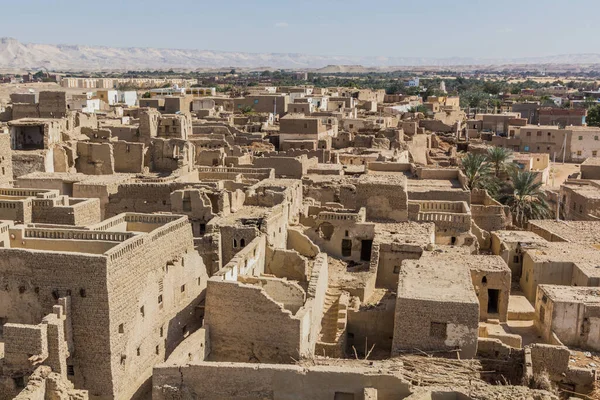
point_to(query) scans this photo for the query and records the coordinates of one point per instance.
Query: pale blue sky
(434, 28)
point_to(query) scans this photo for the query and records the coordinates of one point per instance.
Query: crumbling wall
(95, 158)
(129, 157)
(287, 264)
(247, 325)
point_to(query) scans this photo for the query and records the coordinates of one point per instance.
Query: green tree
(593, 116)
(146, 95)
(477, 171)
(525, 198)
(498, 157)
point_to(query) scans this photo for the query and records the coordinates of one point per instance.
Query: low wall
(223, 381)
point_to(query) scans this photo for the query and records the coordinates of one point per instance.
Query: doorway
(365, 250)
(493, 297)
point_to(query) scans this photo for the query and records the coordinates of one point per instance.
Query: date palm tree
(477, 171)
(499, 157)
(525, 198)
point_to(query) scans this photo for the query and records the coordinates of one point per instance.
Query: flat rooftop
(405, 233)
(519, 237)
(570, 294)
(471, 262)
(585, 232)
(422, 280)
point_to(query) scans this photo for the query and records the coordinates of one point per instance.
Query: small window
(396, 269)
(157, 349)
(516, 259)
(70, 370)
(242, 243)
(138, 351)
(160, 299)
(539, 133)
(199, 281)
(544, 299)
(596, 137)
(528, 133)
(121, 328)
(161, 331)
(142, 311)
(438, 330)
(347, 234)
(580, 137)
(594, 153)
(484, 280)
(305, 126)
(234, 243)
(82, 292)
(579, 152)
(182, 288)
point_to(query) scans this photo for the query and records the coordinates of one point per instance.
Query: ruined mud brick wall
(168, 155)
(26, 162)
(95, 158)
(32, 282)
(6, 169)
(23, 341)
(154, 285)
(224, 381)
(148, 124)
(65, 211)
(506, 362)
(175, 126)
(247, 325)
(141, 198)
(25, 110)
(127, 133)
(235, 237)
(18, 211)
(384, 201)
(209, 248)
(288, 167)
(129, 157)
(373, 325)
(52, 104)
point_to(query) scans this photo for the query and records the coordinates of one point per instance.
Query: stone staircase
(332, 340)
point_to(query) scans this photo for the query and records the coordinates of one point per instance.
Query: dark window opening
(493, 297)
(516, 259)
(19, 382)
(70, 370)
(343, 396)
(438, 330)
(346, 247)
(484, 280)
(397, 269)
(453, 240)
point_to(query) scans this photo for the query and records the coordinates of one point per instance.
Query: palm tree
(525, 198)
(477, 171)
(498, 157)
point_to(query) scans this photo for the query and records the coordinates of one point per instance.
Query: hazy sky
(434, 28)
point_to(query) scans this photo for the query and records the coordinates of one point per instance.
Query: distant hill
(17, 55)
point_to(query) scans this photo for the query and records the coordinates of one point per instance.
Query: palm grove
(503, 180)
